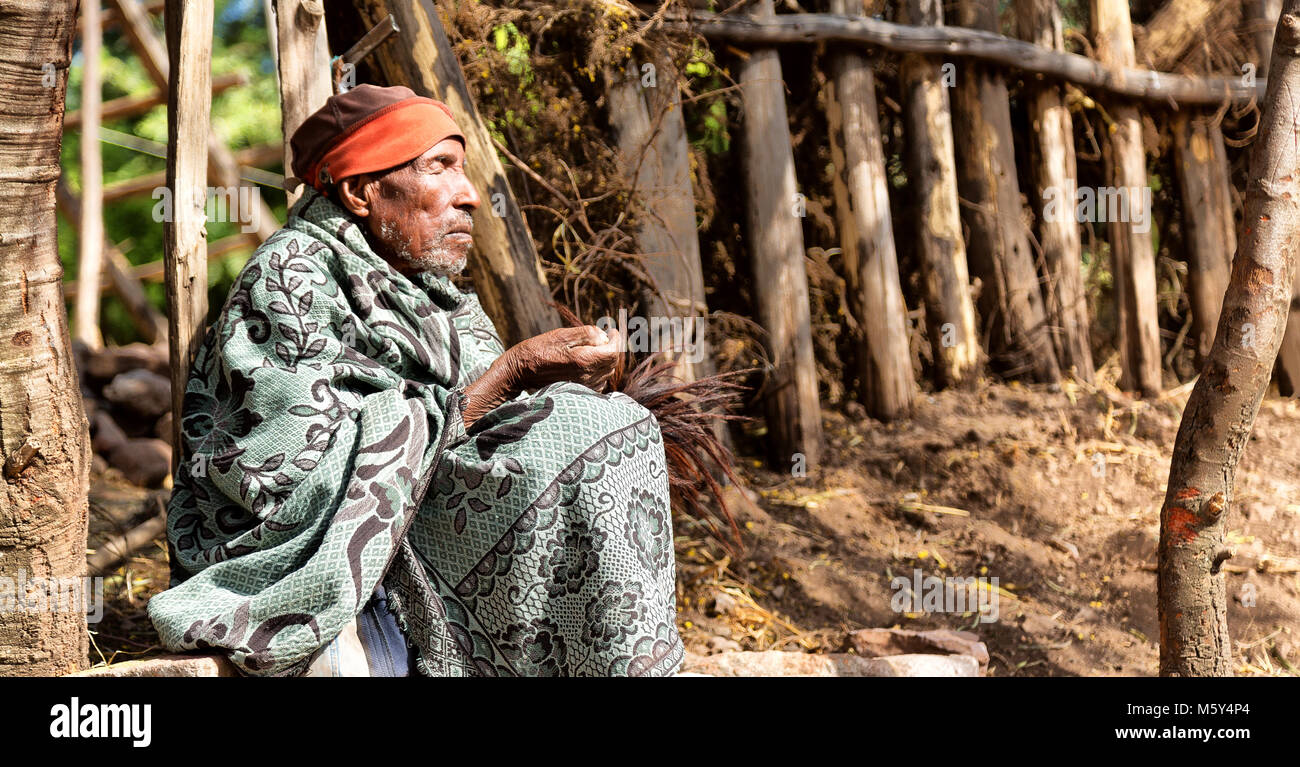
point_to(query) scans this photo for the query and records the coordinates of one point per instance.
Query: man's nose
(467, 195)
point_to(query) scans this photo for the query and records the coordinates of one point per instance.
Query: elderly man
(366, 467)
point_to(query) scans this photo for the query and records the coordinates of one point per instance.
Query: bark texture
(936, 222)
(44, 441)
(1132, 257)
(1039, 22)
(1217, 422)
(655, 157)
(1209, 229)
(189, 47)
(887, 386)
(1010, 303)
(774, 230)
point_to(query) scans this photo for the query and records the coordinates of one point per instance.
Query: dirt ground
(1054, 493)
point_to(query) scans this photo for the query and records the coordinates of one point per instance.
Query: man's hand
(584, 355)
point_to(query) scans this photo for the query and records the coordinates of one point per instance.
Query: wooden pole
(980, 45)
(302, 56)
(1055, 175)
(189, 47)
(90, 239)
(936, 220)
(1132, 256)
(506, 270)
(1221, 411)
(1010, 303)
(867, 236)
(774, 228)
(1208, 225)
(645, 112)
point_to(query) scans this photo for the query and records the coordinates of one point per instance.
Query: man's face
(420, 214)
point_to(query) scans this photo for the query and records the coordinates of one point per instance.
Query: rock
(723, 604)
(832, 664)
(878, 643)
(108, 363)
(1086, 614)
(141, 392)
(144, 462)
(107, 435)
(778, 591)
(1035, 624)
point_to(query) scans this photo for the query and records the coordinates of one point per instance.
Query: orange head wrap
(368, 129)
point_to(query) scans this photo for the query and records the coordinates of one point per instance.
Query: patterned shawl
(323, 452)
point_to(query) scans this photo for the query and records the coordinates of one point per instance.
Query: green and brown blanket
(324, 454)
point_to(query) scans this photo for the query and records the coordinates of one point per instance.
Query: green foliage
(248, 115)
(707, 125)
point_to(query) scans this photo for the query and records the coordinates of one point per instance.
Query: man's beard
(440, 260)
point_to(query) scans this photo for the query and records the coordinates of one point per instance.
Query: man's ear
(354, 194)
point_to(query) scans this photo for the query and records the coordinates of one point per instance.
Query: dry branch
(977, 44)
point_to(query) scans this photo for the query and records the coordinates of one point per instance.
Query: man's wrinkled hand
(584, 355)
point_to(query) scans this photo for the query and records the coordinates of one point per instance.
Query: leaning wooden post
(774, 229)
(998, 249)
(303, 62)
(1221, 411)
(1132, 257)
(645, 112)
(1210, 231)
(867, 235)
(936, 221)
(1055, 174)
(189, 49)
(90, 239)
(506, 270)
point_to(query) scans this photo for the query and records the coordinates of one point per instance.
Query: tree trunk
(655, 157)
(303, 63)
(189, 48)
(1132, 257)
(867, 236)
(1217, 423)
(506, 270)
(1010, 303)
(932, 181)
(774, 229)
(1209, 229)
(44, 442)
(90, 236)
(1055, 174)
